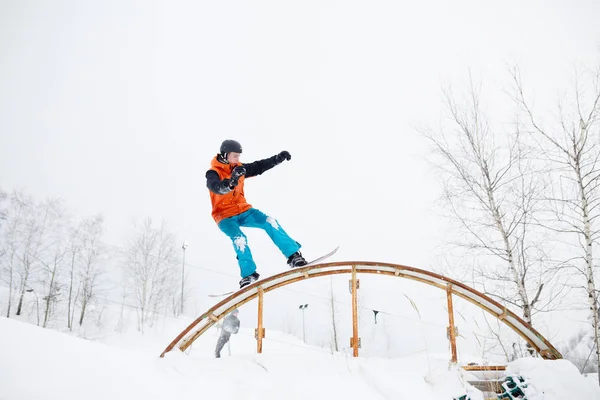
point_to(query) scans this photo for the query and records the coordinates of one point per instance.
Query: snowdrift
(40, 363)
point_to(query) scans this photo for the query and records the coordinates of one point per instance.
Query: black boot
(253, 277)
(296, 260)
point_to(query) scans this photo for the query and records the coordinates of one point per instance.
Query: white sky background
(119, 106)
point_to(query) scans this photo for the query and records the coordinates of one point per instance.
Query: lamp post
(303, 307)
(37, 303)
(183, 246)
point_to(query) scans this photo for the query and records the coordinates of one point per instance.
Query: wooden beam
(354, 313)
(260, 333)
(201, 324)
(484, 367)
(451, 330)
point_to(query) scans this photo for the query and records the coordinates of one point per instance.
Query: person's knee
(272, 222)
(265, 221)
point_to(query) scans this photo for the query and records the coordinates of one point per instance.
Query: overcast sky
(119, 106)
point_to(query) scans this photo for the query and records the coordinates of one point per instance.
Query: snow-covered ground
(39, 363)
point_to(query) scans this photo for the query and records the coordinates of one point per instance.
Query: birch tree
(333, 311)
(571, 145)
(73, 256)
(151, 268)
(52, 262)
(4, 204)
(491, 189)
(3, 218)
(13, 214)
(91, 262)
(35, 218)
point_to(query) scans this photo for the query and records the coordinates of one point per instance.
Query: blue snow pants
(254, 218)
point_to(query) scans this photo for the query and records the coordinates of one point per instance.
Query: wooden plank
(451, 330)
(354, 313)
(260, 330)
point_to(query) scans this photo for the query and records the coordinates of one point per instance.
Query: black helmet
(230, 146)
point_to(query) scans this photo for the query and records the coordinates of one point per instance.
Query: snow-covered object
(553, 380)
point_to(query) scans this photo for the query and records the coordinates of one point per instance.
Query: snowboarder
(231, 324)
(230, 210)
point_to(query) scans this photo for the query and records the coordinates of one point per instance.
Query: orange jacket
(229, 204)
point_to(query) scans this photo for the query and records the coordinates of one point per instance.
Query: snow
(240, 243)
(273, 222)
(553, 380)
(42, 363)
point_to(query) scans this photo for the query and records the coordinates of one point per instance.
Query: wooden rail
(452, 288)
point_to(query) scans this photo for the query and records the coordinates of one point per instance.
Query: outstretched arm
(258, 167)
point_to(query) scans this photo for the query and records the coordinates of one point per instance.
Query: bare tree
(52, 260)
(53, 287)
(92, 253)
(333, 310)
(572, 146)
(74, 255)
(3, 218)
(36, 246)
(32, 236)
(13, 215)
(4, 204)
(491, 188)
(152, 267)
(121, 320)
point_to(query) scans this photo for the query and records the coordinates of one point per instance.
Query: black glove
(284, 155)
(237, 172)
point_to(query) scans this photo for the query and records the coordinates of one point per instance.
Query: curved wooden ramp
(452, 287)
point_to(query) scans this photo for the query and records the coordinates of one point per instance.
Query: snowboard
(310, 263)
